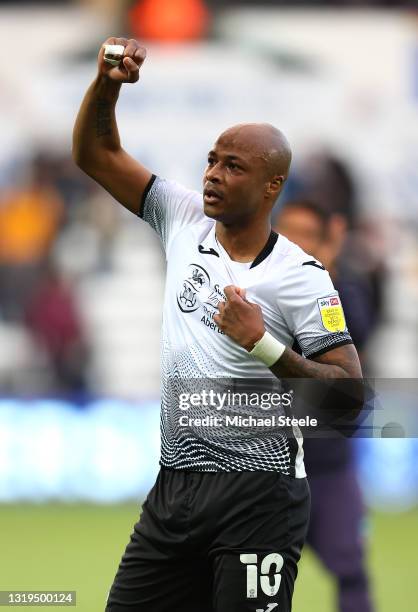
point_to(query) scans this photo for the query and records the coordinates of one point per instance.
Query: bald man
(223, 527)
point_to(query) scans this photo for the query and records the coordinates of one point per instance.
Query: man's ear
(275, 185)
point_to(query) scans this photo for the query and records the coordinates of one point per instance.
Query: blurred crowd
(239, 3)
(38, 296)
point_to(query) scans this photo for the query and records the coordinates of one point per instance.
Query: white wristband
(268, 349)
(113, 54)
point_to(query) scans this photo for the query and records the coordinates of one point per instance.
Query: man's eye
(233, 166)
(211, 161)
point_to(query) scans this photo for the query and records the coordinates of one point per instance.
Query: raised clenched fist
(128, 69)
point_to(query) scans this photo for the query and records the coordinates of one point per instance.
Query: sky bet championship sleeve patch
(332, 314)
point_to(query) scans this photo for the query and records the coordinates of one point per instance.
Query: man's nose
(213, 173)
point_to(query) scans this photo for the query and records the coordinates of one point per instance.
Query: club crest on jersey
(332, 314)
(187, 296)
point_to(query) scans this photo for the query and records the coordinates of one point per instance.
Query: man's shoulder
(293, 257)
(175, 190)
(171, 206)
(300, 272)
(196, 228)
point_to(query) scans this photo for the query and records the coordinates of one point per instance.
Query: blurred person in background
(354, 251)
(336, 529)
(35, 298)
(324, 234)
(53, 318)
(30, 219)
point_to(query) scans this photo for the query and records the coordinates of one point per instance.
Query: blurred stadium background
(81, 280)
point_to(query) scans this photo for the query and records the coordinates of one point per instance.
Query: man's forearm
(293, 365)
(95, 131)
(339, 362)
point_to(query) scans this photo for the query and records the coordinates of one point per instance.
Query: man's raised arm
(96, 145)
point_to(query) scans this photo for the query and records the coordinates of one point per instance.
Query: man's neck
(244, 243)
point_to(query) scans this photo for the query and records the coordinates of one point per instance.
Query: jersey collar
(266, 250)
(211, 244)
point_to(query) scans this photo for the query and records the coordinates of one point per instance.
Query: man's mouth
(211, 196)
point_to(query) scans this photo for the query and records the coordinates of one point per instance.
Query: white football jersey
(298, 302)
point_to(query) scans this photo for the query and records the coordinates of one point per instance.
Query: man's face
(303, 227)
(234, 181)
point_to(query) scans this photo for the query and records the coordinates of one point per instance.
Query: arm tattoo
(292, 365)
(103, 118)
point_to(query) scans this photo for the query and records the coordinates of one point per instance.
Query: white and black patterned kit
(193, 347)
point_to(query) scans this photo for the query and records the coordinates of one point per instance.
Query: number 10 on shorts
(269, 582)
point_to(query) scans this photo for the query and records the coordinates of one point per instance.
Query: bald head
(245, 174)
(263, 141)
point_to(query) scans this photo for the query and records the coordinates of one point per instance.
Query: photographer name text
(246, 421)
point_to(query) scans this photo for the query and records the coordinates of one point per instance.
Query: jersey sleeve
(167, 207)
(313, 311)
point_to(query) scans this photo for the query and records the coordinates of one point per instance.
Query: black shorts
(214, 542)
